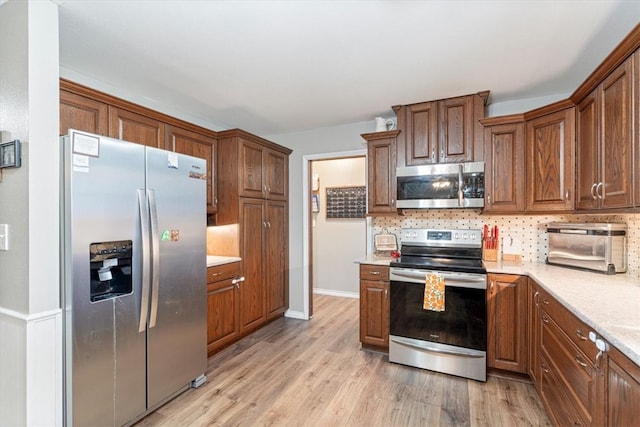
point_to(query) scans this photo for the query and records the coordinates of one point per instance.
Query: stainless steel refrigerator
(133, 277)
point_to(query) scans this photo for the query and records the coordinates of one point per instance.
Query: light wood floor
(313, 373)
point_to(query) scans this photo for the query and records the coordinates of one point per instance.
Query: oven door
(463, 323)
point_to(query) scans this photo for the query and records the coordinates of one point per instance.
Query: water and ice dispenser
(110, 269)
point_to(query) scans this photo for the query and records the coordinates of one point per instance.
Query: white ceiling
(274, 67)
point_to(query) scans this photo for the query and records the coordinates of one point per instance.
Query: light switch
(4, 237)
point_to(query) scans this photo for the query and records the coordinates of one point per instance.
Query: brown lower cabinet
(507, 322)
(623, 390)
(223, 305)
(374, 305)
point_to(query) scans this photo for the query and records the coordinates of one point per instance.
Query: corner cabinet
(196, 145)
(254, 175)
(374, 305)
(441, 131)
(605, 140)
(504, 175)
(381, 172)
(507, 322)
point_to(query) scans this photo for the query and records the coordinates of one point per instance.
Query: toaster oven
(592, 246)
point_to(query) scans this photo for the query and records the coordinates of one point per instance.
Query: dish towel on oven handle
(433, 292)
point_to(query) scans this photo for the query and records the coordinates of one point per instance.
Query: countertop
(214, 260)
(610, 304)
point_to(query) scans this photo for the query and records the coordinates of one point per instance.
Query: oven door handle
(427, 347)
(454, 280)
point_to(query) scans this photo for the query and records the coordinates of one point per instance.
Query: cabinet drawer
(575, 329)
(561, 410)
(222, 272)
(374, 272)
(575, 374)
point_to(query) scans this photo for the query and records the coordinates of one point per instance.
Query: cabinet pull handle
(393, 202)
(577, 423)
(598, 192)
(264, 224)
(544, 368)
(441, 154)
(545, 319)
(593, 187)
(375, 273)
(488, 199)
(216, 274)
(545, 301)
(236, 280)
(215, 200)
(385, 293)
(491, 287)
(433, 154)
(536, 297)
(566, 195)
(579, 334)
(580, 362)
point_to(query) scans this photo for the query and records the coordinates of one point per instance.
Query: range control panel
(433, 237)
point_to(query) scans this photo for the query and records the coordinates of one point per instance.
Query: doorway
(331, 244)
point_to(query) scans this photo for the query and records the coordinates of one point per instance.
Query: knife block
(490, 254)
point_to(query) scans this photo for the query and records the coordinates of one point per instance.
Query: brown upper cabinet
(381, 172)
(441, 131)
(504, 170)
(138, 128)
(262, 171)
(605, 142)
(550, 144)
(82, 113)
(196, 145)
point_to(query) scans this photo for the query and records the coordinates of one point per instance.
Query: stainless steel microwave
(446, 185)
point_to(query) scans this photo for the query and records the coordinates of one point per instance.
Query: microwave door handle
(460, 185)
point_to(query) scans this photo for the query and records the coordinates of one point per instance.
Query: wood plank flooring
(313, 373)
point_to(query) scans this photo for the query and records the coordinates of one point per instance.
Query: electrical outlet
(4, 237)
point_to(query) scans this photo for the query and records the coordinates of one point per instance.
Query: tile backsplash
(530, 230)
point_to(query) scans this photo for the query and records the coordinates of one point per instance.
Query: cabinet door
(381, 175)
(196, 145)
(504, 168)
(251, 174)
(421, 134)
(222, 315)
(456, 129)
(80, 113)
(616, 141)
(276, 174)
(507, 321)
(623, 391)
(137, 128)
(252, 237)
(276, 259)
(374, 313)
(587, 176)
(533, 332)
(550, 160)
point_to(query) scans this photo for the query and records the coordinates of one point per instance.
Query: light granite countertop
(214, 260)
(610, 304)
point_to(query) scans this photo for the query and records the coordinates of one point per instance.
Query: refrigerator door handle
(144, 248)
(155, 256)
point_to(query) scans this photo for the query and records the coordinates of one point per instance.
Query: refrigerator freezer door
(104, 350)
(177, 352)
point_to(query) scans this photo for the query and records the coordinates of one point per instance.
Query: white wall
(315, 142)
(30, 319)
(337, 242)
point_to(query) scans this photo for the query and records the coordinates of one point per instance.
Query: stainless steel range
(454, 340)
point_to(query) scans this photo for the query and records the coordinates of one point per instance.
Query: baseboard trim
(335, 293)
(292, 314)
